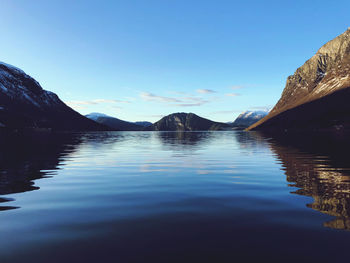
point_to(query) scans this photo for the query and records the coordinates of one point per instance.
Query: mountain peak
(247, 118)
(323, 74)
(95, 115)
(13, 68)
(182, 121)
(25, 104)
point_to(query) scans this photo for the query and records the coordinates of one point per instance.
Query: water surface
(173, 197)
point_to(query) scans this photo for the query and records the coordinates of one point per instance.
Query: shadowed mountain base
(328, 113)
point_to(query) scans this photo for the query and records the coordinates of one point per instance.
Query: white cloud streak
(233, 94)
(189, 101)
(83, 104)
(152, 97)
(205, 91)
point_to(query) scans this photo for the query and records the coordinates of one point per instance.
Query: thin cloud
(205, 91)
(190, 104)
(83, 104)
(233, 94)
(152, 97)
(98, 101)
(94, 102)
(188, 101)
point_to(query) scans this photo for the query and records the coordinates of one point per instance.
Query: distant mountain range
(317, 96)
(186, 122)
(24, 104)
(117, 124)
(247, 118)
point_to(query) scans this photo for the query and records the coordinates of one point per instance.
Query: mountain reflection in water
(319, 165)
(173, 197)
(31, 156)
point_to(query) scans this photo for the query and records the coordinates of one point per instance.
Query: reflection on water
(173, 197)
(181, 139)
(319, 165)
(27, 157)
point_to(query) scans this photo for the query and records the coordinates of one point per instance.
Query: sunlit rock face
(326, 73)
(319, 168)
(25, 104)
(186, 122)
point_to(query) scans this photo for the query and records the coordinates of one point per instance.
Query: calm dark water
(174, 197)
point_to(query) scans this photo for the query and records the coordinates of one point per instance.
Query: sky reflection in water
(170, 197)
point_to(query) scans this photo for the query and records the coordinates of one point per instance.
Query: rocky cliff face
(327, 72)
(186, 122)
(24, 104)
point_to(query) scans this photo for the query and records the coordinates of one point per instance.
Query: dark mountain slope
(24, 104)
(186, 122)
(114, 123)
(327, 113)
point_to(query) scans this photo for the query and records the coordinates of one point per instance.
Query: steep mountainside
(186, 122)
(24, 104)
(114, 123)
(248, 118)
(312, 92)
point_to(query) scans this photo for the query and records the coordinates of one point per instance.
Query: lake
(229, 196)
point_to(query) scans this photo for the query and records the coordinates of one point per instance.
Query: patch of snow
(253, 114)
(26, 96)
(50, 98)
(331, 85)
(95, 115)
(2, 87)
(12, 67)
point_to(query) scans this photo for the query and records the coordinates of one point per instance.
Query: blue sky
(140, 60)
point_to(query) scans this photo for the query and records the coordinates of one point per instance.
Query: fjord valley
(315, 98)
(171, 131)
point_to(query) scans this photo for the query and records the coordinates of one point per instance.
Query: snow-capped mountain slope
(117, 124)
(25, 104)
(248, 118)
(114, 123)
(16, 84)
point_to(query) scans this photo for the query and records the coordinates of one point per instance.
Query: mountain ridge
(247, 118)
(322, 75)
(117, 124)
(25, 104)
(182, 121)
